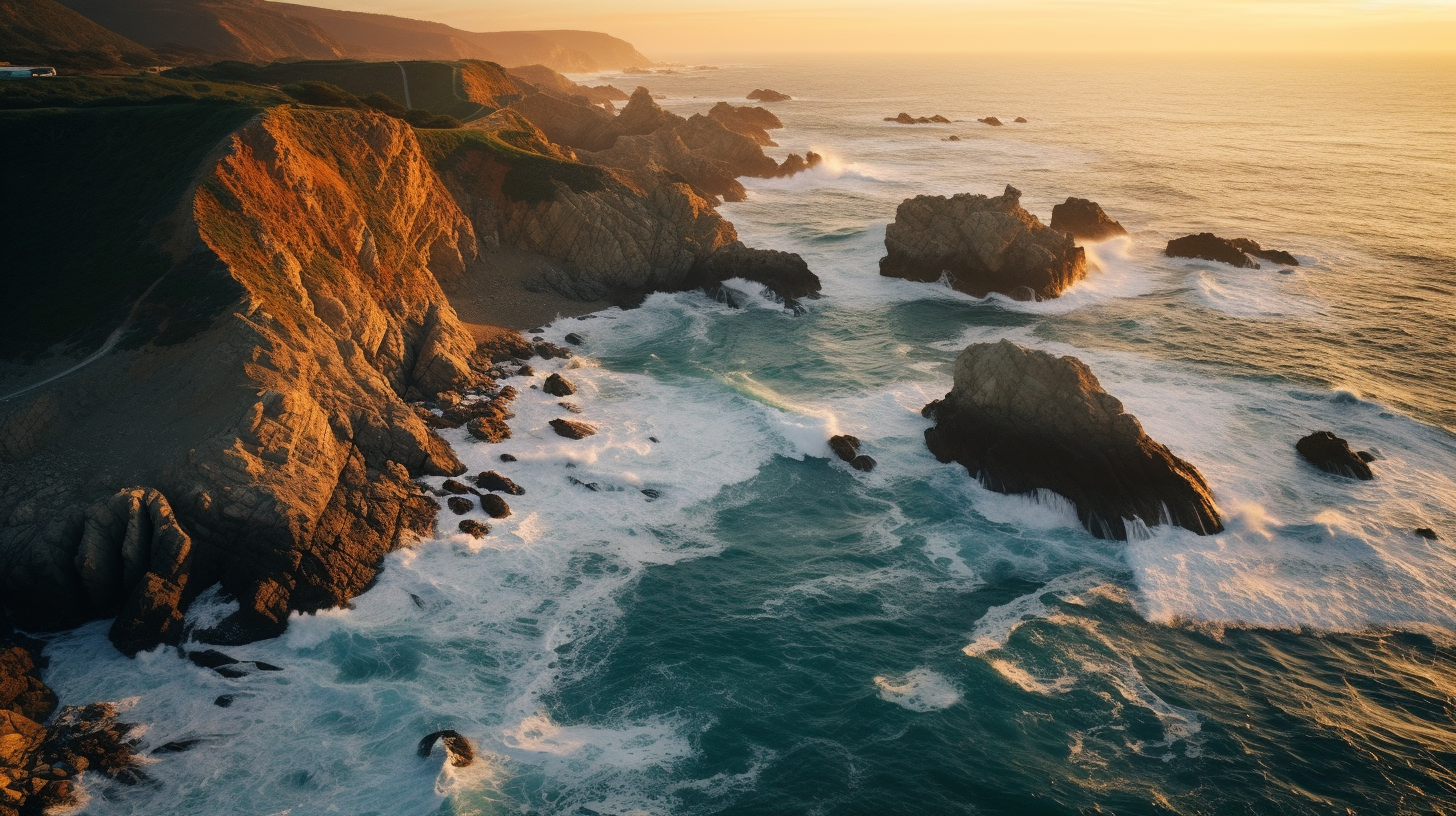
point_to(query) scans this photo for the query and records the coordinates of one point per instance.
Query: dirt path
(405, 77)
(98, 353)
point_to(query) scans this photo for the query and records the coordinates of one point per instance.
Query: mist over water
(779, 634)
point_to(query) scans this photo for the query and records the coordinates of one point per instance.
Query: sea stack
(980, 245)
(1022, 420)
(1085, 220)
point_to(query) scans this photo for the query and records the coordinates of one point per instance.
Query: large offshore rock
(979, 245)
(1085, 219)
(1022, 420)
(1209, 247)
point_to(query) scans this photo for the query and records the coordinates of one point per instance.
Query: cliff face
(615, 240)
(217, 29)
(269, 448)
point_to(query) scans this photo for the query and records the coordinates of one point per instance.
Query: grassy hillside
(118, 91)
(383, 37)
(88, 195)
(44, 32)
(215, 29)
(464, 89)
(530, 177)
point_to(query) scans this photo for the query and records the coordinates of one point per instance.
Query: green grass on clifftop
(119, 91)
(87, 190)
(434, 86)
(531, 177)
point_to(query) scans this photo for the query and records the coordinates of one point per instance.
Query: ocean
(776, 633)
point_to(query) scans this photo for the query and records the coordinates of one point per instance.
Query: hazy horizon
(665, 30)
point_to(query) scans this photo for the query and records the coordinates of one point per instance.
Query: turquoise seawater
(779, 634)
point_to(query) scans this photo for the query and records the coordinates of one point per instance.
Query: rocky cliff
(262, 442)
(612, 238)
(981, 244)
(1022, 420)
(645, 141)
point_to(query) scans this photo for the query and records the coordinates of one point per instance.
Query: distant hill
(382, 37)
(45, 32)
(207, 30)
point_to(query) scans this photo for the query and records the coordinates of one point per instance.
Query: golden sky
(684, 28)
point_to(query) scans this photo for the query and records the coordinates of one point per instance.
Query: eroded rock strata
(265, 421)
(981, 244)
(1022, 421)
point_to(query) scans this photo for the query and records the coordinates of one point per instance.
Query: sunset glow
(1041, 26)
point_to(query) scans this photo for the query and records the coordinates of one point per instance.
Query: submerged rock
(1023, 421)
(768, 95)
(570, 429)
(1276, 255)
(1020, 120)
(907, 119)
(991, 120)
(1084, 219)
(980, 245)
(1426, 533)
(1209, 247)
(1332, 454)
(863, 462)
(457, 747)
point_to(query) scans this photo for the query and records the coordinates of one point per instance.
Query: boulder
(979, 245)
(846, 447)
(1023, 421)
(574, 339)
(496, 483)
(1084, 220)
(488, 429)
(1426, 533)
(990, 120)
(460, 505)
(768, 95)
(1209, 247)
(864, 463)
(1332, 454)
(558, 386)
(794, 163)
(494, 506)
(457, 747)
(1020, 120)
(474, 529)
(455, 487)
(571, 430)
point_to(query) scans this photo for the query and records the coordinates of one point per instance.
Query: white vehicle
(25, 71)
